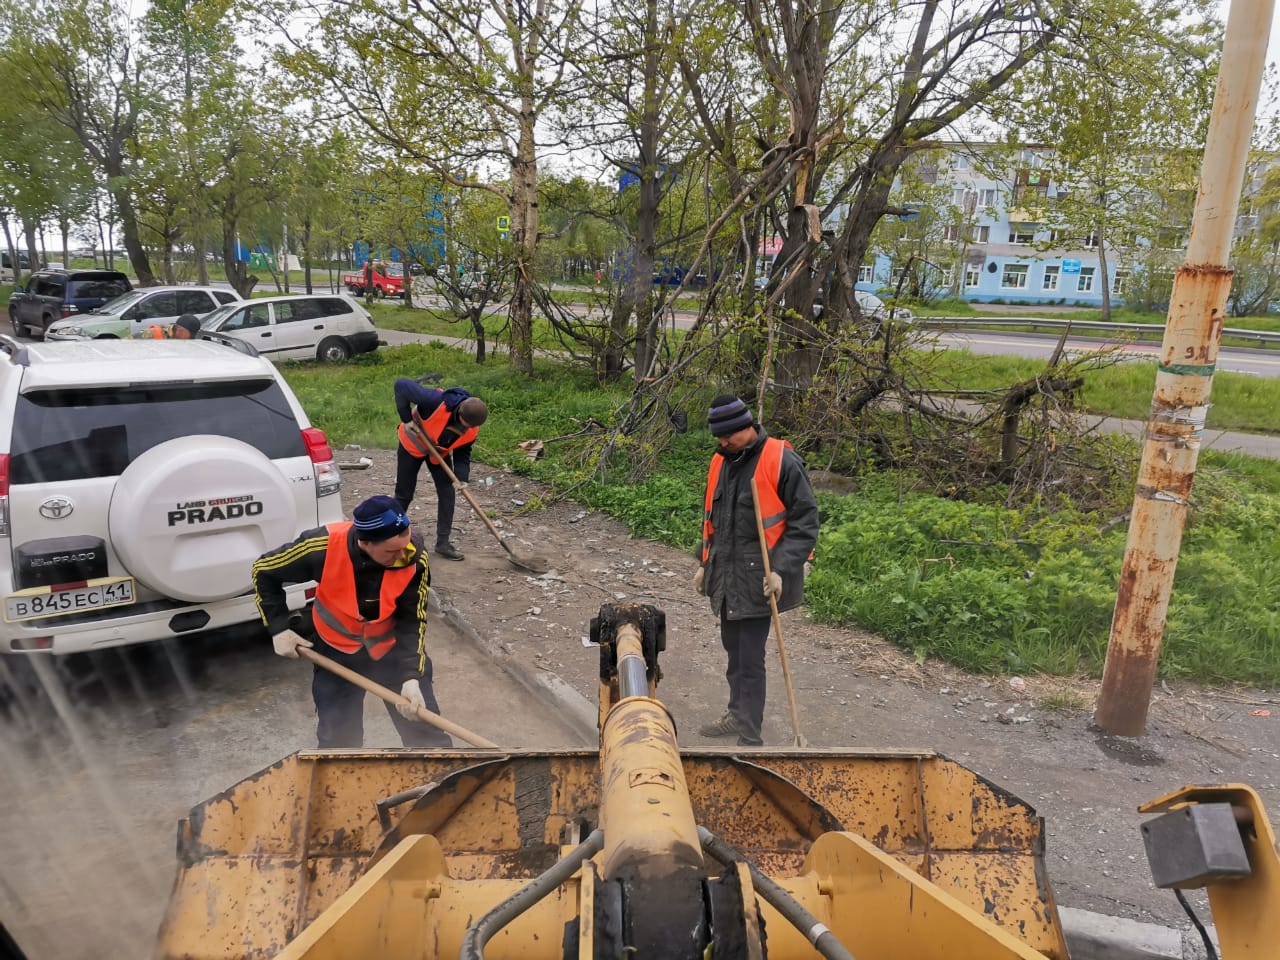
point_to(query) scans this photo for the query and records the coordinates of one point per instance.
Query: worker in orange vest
(452, 419)
(731, 569)
(370, 611)
(187, 327)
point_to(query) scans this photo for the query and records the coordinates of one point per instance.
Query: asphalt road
(95, 777)
(1259, 362)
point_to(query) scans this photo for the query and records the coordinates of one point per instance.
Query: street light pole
(1183, 380)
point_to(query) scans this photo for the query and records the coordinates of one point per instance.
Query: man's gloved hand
(287, 642)
(412, 692)
(699, 587)
(773, 585)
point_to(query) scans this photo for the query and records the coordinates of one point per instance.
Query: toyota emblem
(56, 508)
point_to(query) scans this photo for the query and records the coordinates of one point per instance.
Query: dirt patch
(855, 691)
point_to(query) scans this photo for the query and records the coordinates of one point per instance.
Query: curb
(1097, 936)
(573, 709)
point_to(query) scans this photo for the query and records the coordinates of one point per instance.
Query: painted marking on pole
(1188, 369)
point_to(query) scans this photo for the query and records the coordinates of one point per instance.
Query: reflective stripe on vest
(435, 425)
(336, 613)
(772, 509)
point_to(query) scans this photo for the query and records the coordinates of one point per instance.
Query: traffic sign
(504, 224)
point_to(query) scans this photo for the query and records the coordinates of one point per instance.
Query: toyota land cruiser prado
(139, 480)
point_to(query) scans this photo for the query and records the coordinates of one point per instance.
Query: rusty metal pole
(1183, 380)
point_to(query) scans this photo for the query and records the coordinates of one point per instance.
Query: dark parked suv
(53, 294)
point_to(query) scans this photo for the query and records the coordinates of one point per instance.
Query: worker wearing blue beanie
(370, 611)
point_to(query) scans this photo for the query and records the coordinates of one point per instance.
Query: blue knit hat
(728, 415)
(379, 518)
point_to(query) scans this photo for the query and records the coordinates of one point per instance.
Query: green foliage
(985, 587)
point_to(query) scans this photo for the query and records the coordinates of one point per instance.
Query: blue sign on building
(1070, 266)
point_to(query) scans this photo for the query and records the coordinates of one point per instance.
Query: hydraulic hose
(817, 933)
(483, 930)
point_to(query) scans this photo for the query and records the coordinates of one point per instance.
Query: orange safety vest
(772, 509)
(157, 332)
(336, 614)
(435, 425)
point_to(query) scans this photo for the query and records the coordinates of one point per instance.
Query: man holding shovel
(371, 612)
(452, 419)
(732, 572)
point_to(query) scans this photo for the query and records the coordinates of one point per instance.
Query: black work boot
(446, 549)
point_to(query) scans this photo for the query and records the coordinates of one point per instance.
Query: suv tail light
(328, 477)
(4, 494)
(68, 309)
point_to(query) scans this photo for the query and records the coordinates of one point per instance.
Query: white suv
(139, 480)
(328, 327)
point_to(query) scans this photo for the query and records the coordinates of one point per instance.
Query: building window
(987, 198)
(1118, 281)
(1059, 238)
(865, 273)
(1090, 241)
(962, 162)
(972, 274)
(1014, 276)
(981, 234)
(1023, 233)
(1051, 277)
(1085, 282)
(957, 196)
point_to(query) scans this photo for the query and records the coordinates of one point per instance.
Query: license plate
(38, 602)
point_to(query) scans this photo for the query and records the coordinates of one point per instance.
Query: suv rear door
(71, 446)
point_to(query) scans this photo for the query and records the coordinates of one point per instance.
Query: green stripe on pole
(1188, 369)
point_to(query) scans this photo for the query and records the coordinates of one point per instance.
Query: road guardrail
(1142, 331)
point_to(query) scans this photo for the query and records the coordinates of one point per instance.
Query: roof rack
(15, 350)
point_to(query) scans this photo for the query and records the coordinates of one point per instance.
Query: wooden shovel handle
(382, 693)
(773, 608)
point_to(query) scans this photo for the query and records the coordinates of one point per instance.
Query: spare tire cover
(189, 516)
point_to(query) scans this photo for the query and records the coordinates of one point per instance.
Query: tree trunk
(129, 226)
(1104, 273)
(11, 247)
(476, 313)
(33, 252)
(641, 283)
(202, 262)
(524, 235)
(65, 227)
(306, 253)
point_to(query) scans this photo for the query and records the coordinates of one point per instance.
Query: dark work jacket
(410, 394)
(734, 580)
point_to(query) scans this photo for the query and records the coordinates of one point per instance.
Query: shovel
(532, 564)
(777, 624)
(382, 693)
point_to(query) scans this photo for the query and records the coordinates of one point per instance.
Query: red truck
(385, 279)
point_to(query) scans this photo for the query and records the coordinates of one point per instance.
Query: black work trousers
(744, 641)
(340, 703)
(407, 468)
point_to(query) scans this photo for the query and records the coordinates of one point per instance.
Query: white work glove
(287, 642)
(773, 585)
(412, 692)
(698, 586)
